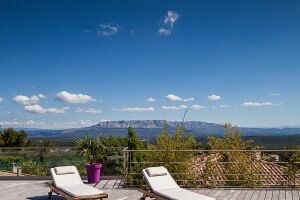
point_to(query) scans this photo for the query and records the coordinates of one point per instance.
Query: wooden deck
(37, 190)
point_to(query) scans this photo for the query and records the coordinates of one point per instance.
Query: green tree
(44, 150)
(134, 142)
(292, 166)
(238, 165)
(11, 138)
(93, 149)
(177, 162)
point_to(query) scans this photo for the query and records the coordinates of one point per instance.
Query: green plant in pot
(94, 151)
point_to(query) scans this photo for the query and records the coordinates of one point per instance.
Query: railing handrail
(69, 147)
(203, 150)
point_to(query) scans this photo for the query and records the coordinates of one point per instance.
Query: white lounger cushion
(166, 186)
(80, 190)
(66, 179)
(65, 170)
(182, 194)
(163, 182)
(156, 171)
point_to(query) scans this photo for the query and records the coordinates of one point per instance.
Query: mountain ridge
(151, 128)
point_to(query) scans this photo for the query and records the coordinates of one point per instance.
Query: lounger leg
(50, 194)
(144, 197)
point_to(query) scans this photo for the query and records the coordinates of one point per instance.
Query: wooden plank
(235, 195)
(249, 195)
(288, 194)
(242, 194)
(223, 194)
(229, 195)
(255, 195)
(262, 195)
(281, 194)
(295, 194)
(217, 193)
(275, 195)
(269, 195)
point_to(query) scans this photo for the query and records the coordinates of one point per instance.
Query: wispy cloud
(163, 31)
(275, 94)
(67, 97)
(169, 21)
(42, 96)
(214, 97)
(134, 109)
(1, 99)
(260, 104)
(197, 107)
(88, 110)
(87, 31)
(108, 29)
(26, 100)
(55, 124)
(182, 107)
(224, 106)
(189, 99)
(151, 99)
(37, 109)
(173, 97)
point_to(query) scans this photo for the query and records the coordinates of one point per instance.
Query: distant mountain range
(151, 128)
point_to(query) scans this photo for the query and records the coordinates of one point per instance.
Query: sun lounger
(163, 186)
(67, 183)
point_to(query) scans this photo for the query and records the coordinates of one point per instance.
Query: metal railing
(217, 168)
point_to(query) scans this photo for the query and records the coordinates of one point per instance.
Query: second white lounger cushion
(163, 182)
(182, 194)
(80, 190)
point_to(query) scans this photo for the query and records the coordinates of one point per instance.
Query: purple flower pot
(93, 172)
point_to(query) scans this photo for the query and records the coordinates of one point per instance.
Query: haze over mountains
(151, 128)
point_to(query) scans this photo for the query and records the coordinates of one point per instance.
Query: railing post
(14, 168)
(125, 166)
(19, 171)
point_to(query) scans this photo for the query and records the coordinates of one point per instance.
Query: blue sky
(73, 63)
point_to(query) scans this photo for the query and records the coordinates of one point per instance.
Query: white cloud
(275, 94)
(59, 124)
(260, 104)
(151, 99)
(171, 18)
(214, 97)
(173, 97)
(169, 21)
(88, 110)
(87, 31)
(224, 106)
(1, 99)
(67, 97)
(189, 99)
(41, 96)
(181, 107)
(108, 29)
(37, 109)
(134, 109)
(163, 31)
(197, 107)
(26, 100)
